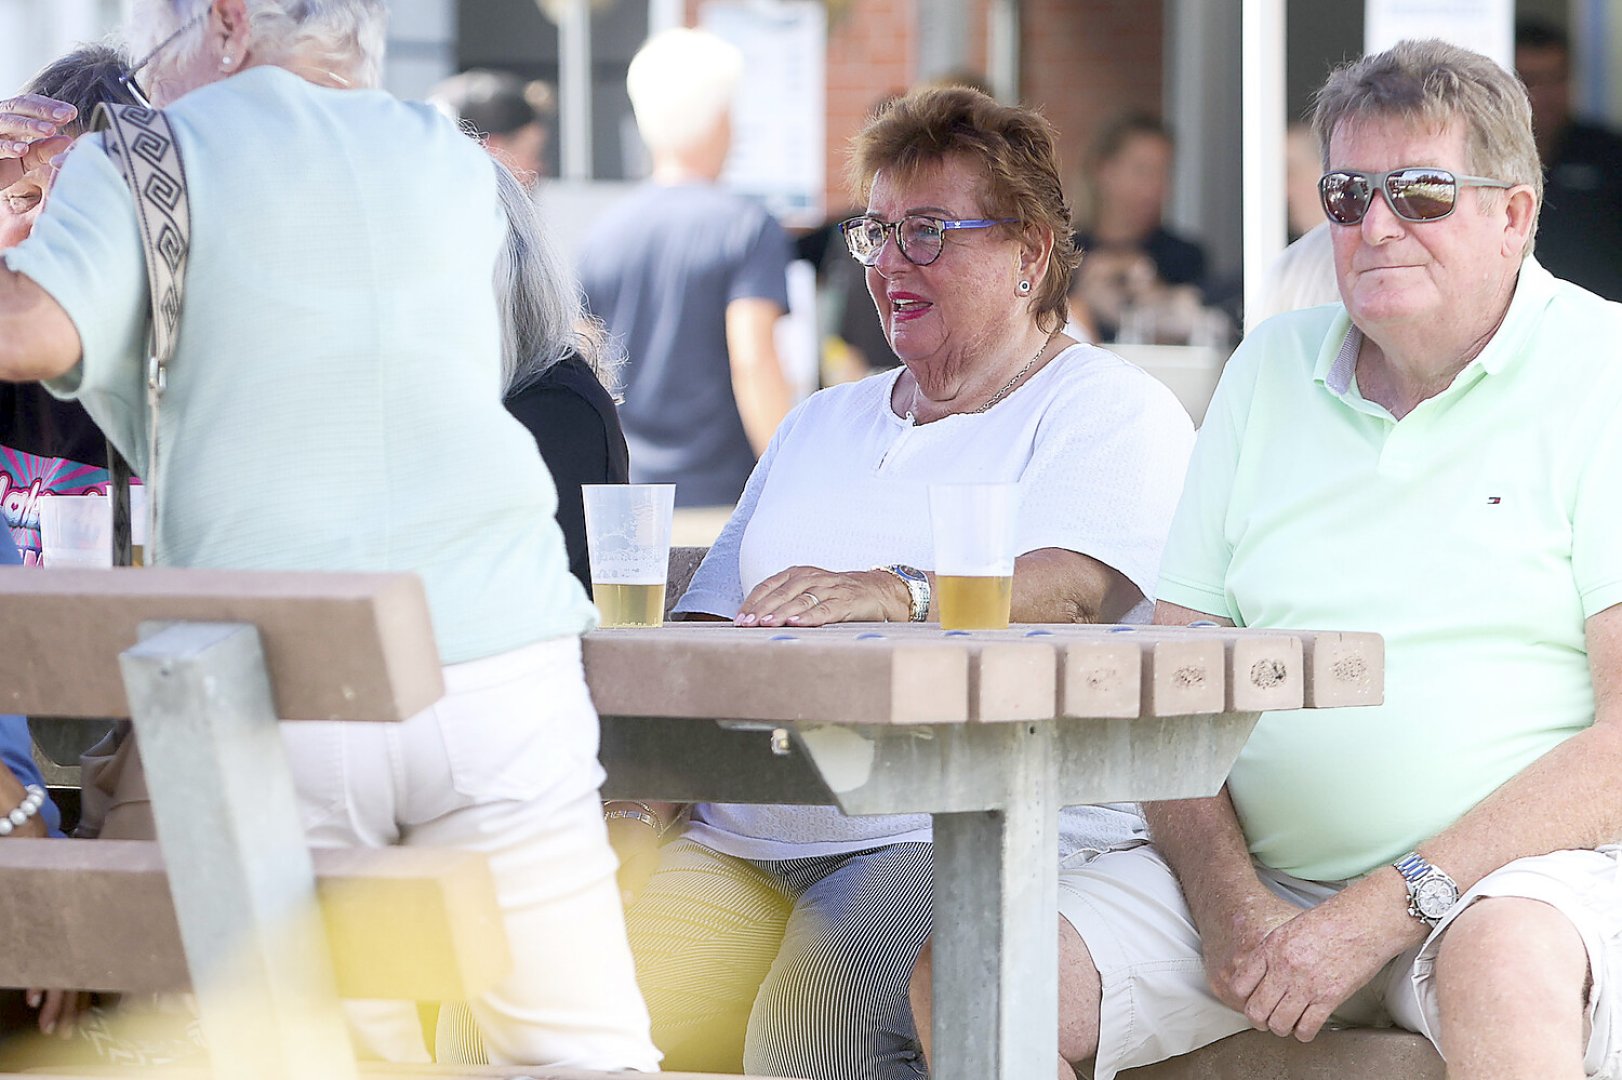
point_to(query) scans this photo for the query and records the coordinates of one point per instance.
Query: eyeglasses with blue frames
(128, 81)
(1415, 193)
(919, 237)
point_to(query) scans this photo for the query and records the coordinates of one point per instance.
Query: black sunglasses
(1416, 193)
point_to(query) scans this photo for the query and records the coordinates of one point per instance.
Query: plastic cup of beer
(973, 526)
(76, 530)
(628, 541)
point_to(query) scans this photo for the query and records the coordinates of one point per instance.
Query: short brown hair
(1433, 84)
(1015, 149)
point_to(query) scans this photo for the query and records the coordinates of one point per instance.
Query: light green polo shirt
(1476, 534)
(335, 400)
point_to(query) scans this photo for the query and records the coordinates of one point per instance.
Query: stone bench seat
(1352, 1054)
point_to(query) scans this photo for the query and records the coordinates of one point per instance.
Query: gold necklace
(1018, 375)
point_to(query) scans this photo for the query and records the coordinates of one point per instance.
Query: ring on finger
(811, 597)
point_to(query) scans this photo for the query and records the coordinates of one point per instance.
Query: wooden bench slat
(337, 646)
(409, 923)
(686, 670)
(1262, 669)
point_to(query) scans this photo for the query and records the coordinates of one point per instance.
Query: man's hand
(30, 135)
(1307, 967)
(1232, 948)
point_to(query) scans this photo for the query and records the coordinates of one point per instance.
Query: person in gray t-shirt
(690, 279)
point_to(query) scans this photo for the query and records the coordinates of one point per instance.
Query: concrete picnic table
(989, 732)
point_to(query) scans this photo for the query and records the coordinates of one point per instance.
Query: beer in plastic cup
(973, 527)
(77, 530)
(628, 541)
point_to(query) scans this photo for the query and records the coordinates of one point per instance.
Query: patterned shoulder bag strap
(142, 146)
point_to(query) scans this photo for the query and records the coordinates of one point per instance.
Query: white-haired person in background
(338, 371)
(690, 279)
(558, 369)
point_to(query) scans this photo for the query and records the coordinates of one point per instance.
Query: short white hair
(345, 37)
(681, 84)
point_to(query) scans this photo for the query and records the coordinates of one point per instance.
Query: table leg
(996, 997)
(239, 866)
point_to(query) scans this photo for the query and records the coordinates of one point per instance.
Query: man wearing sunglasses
(1439, 459)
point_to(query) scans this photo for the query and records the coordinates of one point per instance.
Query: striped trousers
(785, 968)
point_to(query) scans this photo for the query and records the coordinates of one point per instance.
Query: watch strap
(1412, 867)
(917, 583)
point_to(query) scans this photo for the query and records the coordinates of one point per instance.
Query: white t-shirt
(1098, 449)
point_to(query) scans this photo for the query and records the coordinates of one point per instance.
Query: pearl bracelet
(33, 799)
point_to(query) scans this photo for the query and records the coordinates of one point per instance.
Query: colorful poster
(26, 479)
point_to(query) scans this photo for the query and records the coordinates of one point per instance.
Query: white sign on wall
(778, 116)
(1486, 26)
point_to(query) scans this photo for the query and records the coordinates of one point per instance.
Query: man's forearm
(1568, 798)
(1202, 842)
(763, 399)
(758, 384)
(37, 339)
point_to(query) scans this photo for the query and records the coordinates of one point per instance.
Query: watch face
(1433, 898)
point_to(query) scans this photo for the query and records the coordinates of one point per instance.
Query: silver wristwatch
(917, 583)
(1431, 893)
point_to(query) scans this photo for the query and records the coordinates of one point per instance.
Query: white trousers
(1157, 1004)
(504, 765)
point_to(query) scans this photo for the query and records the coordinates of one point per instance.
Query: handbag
(113, 797)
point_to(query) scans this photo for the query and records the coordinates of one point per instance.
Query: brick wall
(1087, 60)
(871, 45)
(1084, 60)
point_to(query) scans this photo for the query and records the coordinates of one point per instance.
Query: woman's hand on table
(30, 134)
(811, 596)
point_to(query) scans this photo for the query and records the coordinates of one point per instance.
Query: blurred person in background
(1303, 164)
(49, 447)
(1129, 258)
(512, 117)
(1580, 231)
(690, 280)
(557, 369)
(302, 300)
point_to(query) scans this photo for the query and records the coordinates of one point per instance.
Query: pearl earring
(1024, 288)
(225, 62)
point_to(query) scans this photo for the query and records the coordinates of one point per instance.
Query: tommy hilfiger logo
(1493, 500)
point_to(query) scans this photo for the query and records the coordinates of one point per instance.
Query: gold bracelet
(643, 813)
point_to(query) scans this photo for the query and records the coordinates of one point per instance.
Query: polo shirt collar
(1534, 289)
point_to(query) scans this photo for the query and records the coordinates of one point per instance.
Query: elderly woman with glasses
(784, 935)
(338, 378)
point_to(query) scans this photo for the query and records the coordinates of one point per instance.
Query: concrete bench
(1358, 1054)
(231, 903)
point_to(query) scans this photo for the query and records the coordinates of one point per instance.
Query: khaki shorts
(1128, 908)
